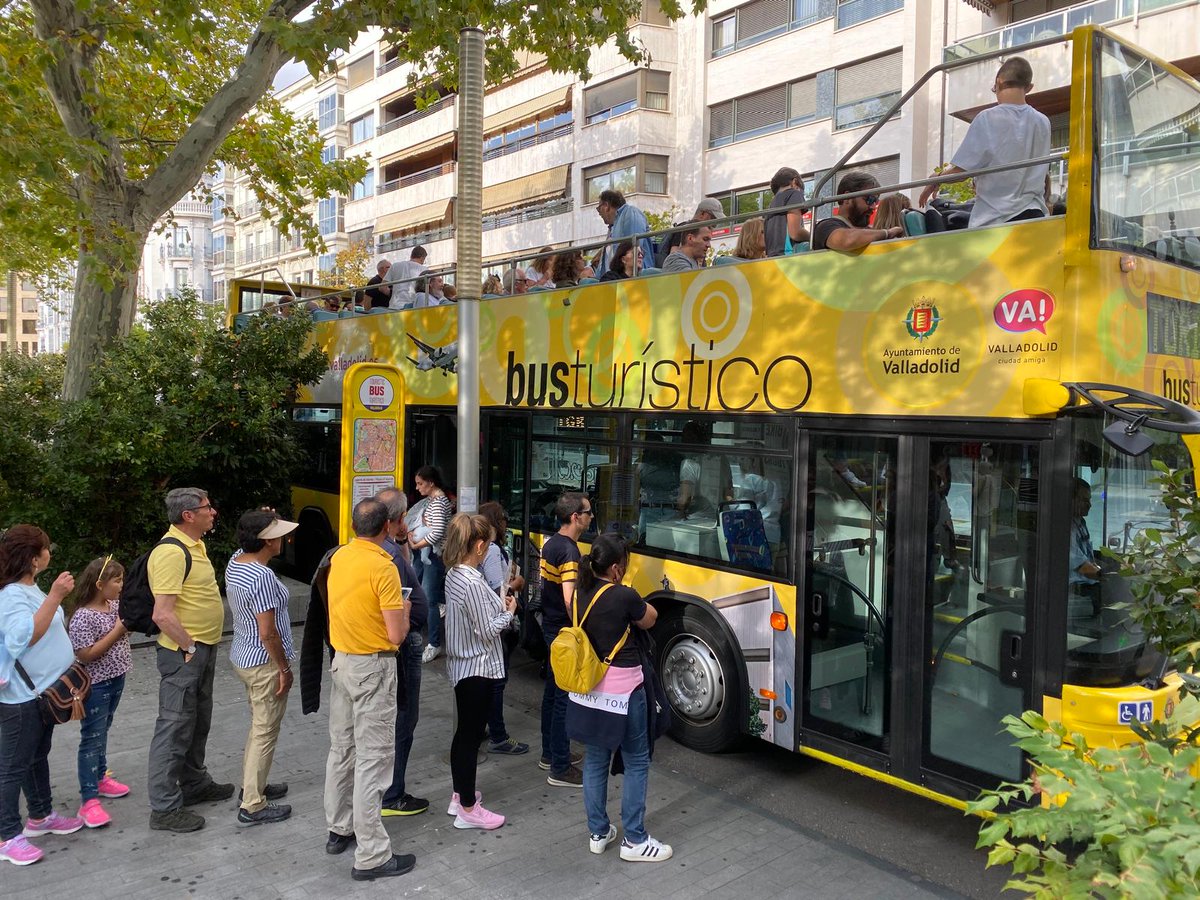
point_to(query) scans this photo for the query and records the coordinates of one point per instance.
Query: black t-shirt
(775, 226)
(377, 297)
(560, 562)
(824, 228)
(616, 609)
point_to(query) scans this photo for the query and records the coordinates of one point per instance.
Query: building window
(331, 152)
(851, 12)
(361, 236)
(329, 215)
(645, 88)
(29, 304)
(365, 188)
(329, 111)
(645, 174)
(181, 279)
(360, 71)
(551, 126)
(362, 128)
(326, 262)
(762, 112)
(652, 14)
(802, 101)
(762, 19)
(724, 34)
(218, 207)
(865, 90)
(29, 326)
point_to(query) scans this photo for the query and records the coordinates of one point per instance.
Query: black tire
(718, 729)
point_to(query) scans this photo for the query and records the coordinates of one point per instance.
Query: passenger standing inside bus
(1084, 578)
(1008, 132)
(785, 230)
(500, 572)
(436, 516)
(560, 568)
(614, 715)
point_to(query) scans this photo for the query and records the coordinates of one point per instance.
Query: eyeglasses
(197, 508)
(586, 512)
(872, 199)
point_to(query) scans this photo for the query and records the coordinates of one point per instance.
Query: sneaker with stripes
(648, 850)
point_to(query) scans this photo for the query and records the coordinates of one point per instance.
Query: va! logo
(922, 319)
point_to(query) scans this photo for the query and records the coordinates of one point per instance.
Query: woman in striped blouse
(475, 619)
(432, 535)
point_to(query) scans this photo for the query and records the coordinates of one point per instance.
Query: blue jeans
(408, 710)
(555, 745)
(93, 734)
(433, 582)
(635, 753)
(24, 748)
(497, 731)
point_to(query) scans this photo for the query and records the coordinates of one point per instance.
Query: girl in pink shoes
(102, 644)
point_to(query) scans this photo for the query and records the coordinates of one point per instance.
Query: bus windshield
(1147, 186)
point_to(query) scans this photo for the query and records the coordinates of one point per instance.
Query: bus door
(507, 479)
(431, 439)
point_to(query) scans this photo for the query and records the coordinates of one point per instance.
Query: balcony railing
(416, 177)
(555, 207)
(391, 245)
(1097, 12)
(247, 209)
(851, 12)
(528, 142)
(387, 66)
(191, 208)
(416, 114)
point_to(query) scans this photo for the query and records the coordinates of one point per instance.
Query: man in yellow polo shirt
(368, 620)
(188, 610)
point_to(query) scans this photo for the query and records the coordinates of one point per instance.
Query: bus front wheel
(701, 677)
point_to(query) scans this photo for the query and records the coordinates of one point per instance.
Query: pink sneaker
(19, 851)
(453, 808)
(93, 814)
(111, 788)
(55, 823)
(478, 817)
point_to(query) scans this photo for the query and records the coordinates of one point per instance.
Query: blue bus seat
(914, 222)
(323, 315)
(727, 260)
(538, 289)
(583, 281)
(376, 310)
(650, 270)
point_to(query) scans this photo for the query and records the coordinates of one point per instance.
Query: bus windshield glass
(1148, 181)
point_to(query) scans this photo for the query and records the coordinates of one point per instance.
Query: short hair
(1016, 72)
(369, 518)
(783, 178)
(181, 500)
(395, 501)
(509, 279)
(615, 199)
(418, 253)
(709, 206)
(567, 505)
(382, 265)
(250, 525)
(462, 532)
(1081, 485)
(694, 227)
(855, 182)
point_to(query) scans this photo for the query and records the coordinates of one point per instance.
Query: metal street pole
(468, 219)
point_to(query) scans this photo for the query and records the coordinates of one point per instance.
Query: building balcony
(417, 114)
(391, 245)
(192, 208)
(248, 209)
(446, 168)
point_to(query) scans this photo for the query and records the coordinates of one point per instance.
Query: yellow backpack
(576, 667)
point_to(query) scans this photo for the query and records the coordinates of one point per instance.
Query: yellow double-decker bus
(859, 487)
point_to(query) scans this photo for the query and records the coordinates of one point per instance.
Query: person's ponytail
(606, 550)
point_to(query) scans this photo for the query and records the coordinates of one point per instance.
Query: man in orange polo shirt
(368, 620)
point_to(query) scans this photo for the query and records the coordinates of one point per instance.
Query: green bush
(181, 401)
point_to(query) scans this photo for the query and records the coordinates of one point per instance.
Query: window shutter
(803, 101)
(762, 16)
(886, 171)
(657, 87)
(360, 71)
(872, 78)
(610, 94)
(720, 123)
(761, 110)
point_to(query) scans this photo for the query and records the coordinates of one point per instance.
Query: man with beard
(850, 228)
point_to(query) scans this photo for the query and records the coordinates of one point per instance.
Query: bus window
(560, 466)
(319, 433)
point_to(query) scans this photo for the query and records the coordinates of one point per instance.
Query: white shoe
(649, 850)
(431, 653)
(598, 842)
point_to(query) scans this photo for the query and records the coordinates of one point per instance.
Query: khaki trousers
(362, 746)
(266, 712)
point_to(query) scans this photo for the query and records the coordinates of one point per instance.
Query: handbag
(64, 700)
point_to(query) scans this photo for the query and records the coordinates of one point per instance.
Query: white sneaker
(649, 850)
(431, 653)
(598, 842)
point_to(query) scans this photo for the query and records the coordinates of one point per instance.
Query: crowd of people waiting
(372, 600)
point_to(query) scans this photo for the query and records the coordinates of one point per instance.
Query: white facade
(54, 318)
(725, 100)
(179, 253)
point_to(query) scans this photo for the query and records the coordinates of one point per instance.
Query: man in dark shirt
(377, 293)
(788, 188)
(560, 568)
(396, 801)
(708, 210)
(850, 228)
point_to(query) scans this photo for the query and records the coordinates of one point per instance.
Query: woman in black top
(625, 262)
(613, 715)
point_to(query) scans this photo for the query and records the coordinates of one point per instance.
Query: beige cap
(278, 529)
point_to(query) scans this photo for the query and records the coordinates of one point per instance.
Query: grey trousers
(185, 696)
(362, 747)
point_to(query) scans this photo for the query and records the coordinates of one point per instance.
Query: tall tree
(116, 109)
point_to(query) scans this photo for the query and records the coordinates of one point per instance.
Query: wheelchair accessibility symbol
(1142, 711)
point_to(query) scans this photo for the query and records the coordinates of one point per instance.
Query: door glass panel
(982, 540)
(849, 595)
(508, 450)
(559, 467)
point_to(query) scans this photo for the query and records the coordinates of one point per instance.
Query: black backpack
(136, 604)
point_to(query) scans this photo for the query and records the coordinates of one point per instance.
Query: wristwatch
(189, 651)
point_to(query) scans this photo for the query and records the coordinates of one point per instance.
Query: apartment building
(54, 317)
(18, 314)
(179, 253)
(724, 100)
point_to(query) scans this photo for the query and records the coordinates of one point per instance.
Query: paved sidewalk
(723, 849)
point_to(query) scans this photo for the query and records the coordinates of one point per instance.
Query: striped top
(253, 589)
(560, 563)
(475, 618)
(435, 518)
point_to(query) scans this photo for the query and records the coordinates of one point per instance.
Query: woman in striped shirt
(475, 619)
(432, 535)
(261, 653)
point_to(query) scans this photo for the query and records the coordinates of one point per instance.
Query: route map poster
(373, 400)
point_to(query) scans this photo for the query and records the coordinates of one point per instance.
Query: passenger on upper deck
(623, 220)
(850, 228)
(377, 293)
(709, 209)
(890, 213)
(538, 272)
(430, 293)
(515, 281)
(752, 241)
(785, 230)
(624, 264)
(1008, 132)
(568, 268)
(401, 276)
(691, 251)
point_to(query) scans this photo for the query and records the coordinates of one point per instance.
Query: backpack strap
(187, 556)
(621, 643)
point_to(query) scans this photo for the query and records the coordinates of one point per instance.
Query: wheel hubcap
(693, 679)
